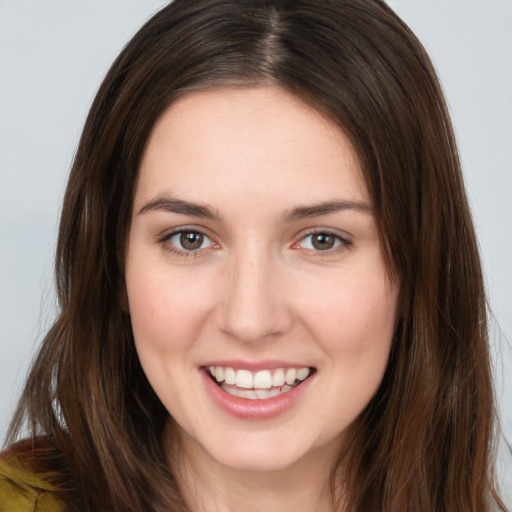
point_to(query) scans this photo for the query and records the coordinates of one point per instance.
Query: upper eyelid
(168, 233)
(342, 235)
(328, 231)
(164, 241)
(344, 241)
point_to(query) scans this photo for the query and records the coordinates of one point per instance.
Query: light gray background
(53, 55)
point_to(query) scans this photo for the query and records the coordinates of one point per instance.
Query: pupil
(323, 241)
(191, 240)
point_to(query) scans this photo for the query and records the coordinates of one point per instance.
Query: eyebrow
(174, 205)
(325, 208)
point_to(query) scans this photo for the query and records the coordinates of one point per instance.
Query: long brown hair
(424, 441)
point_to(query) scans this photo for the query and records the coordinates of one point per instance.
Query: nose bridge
(254, 305)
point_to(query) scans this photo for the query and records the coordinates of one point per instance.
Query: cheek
(166, 310)
(354, 316)
(353, 323)
(167, 314)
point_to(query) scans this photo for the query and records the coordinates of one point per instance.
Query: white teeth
(302, 373)
(255, 394)
(229, 376)
(278, 378)
(261, 380)
(263, 394)
(219, 373)
(291, 375)
(244, 379)
(242, 393)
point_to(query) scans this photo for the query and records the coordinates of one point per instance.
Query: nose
(254, 304)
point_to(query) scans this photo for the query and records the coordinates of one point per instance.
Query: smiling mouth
(259, 385)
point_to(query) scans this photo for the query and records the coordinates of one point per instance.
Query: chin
(259, 459)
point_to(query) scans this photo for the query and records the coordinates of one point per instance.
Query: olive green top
(23, 491)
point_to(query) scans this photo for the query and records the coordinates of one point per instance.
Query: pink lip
(246, 409)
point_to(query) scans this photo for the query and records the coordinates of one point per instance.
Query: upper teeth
(264, 379)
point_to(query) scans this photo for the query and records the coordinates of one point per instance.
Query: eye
(187, 241)
(323, 241)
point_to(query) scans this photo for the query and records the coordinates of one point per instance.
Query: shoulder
(24, 491)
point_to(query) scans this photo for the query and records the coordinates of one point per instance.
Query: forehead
(258, 142)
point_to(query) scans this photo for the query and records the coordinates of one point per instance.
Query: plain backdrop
(53, 55)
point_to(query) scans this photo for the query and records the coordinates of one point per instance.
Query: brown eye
(191, 240)
(323, 241)
(187, 241)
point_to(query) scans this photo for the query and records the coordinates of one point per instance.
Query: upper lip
(254, 366)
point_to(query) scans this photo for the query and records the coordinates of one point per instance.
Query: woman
(269, 284)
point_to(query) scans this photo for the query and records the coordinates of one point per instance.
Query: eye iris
(322, 241)
(191, 240)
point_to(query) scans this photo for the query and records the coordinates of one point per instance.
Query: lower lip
(244, 408)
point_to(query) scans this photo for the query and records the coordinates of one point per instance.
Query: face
(261, 307)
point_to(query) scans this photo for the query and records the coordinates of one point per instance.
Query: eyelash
(184, 253)
(341, 242)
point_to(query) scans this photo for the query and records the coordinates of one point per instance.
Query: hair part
(359, 65)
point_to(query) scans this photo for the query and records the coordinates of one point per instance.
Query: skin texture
(257, 290)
